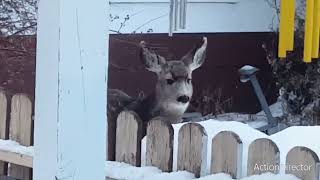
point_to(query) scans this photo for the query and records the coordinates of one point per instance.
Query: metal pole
(171, 18)
(176, 11)
(183, 13)
(262, 100)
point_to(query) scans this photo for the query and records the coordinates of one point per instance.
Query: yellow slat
(308, 31)
(283, 31)
(316, 30)
(291, 5)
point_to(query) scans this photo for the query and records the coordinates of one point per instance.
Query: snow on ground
(276, 110)
(12, 146)
(260, 118)
(270, 176)
(118, 170)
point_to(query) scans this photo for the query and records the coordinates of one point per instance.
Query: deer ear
(152, 61)
(195, 58)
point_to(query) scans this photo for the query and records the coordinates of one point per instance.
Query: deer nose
(183, 99)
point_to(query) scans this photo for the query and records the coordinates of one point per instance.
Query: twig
(151, 20)
(24, 29)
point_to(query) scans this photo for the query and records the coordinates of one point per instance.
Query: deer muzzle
(183, 99)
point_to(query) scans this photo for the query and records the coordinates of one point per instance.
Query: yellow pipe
(283, 30)
(308, 31)
(291, 25)
(316, 29)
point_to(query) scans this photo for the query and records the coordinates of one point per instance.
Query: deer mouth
(183, 99)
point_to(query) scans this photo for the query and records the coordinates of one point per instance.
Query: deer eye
(188, 80)
(170, 81)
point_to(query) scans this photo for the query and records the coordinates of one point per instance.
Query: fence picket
(21, 131)
(159, 144)
(3, 127)
(192, 146)
(263, 156)
(303, 163)
(226, 154)
(128, 138)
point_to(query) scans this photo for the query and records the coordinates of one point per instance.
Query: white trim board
(166, 1)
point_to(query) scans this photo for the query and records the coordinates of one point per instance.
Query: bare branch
(148, 22)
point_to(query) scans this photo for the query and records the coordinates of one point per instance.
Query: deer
(169, 99)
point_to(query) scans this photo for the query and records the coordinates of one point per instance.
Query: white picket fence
(226, 150)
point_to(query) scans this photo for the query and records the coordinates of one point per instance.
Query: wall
(202, 16)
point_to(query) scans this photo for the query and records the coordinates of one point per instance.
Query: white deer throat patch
(175, 108)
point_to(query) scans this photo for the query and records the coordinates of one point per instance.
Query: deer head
(174, 89)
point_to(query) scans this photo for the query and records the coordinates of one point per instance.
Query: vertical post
(171, 17)
(308, 31)
(283, 32)
(262, 100)
(70, 105)
(287, 27)
(183, 13)
(291, 23)
(316, 30)
(3, 127)
(176, 11)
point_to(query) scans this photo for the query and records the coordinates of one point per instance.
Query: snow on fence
(226, 150)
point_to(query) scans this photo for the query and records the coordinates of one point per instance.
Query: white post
(71, 84)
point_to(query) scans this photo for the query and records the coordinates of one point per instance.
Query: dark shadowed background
(218, 76)
(217, 81)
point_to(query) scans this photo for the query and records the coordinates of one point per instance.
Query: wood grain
(159, 145)
(192, 143)
(226, 153)
(303, 163)
(263, 156)
(128, 139)
(3, 127)
(20, 131)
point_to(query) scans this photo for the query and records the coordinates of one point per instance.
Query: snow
(285, 140)
(276, 110)
(12, 146)
(118, 170)
(247, 67)
(253, 120)
(257, 124)
(269, 176)
(124, 171)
